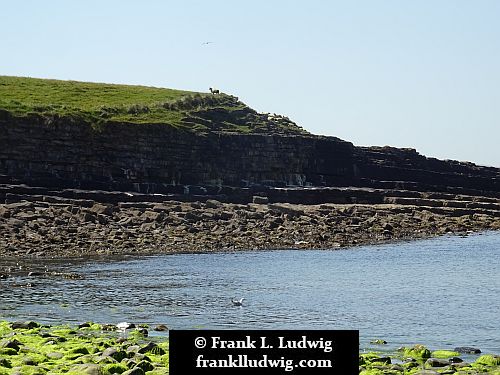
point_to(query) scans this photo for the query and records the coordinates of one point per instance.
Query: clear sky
(406, 73)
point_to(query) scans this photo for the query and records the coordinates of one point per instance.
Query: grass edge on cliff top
(91, 101)
(101, 103)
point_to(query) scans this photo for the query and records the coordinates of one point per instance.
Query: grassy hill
(100, 103)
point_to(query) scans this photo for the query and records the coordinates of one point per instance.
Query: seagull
(238, 302)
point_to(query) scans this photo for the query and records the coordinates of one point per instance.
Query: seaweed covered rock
(444, 354)
(83, 351)
(488, 360)
(418, 352)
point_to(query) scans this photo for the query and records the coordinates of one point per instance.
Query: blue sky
(422, 74)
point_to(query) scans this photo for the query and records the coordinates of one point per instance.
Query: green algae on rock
(93, 349)
(418, 352)
(87, 350)
(398, 363)
(489, 360)
(444, 354)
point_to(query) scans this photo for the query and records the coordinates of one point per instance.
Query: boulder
(114, 353)
(152, 216)
(153, 348)
(4, 212)
(161, 328)
(145, 366)
(102, 209)
(11, 344)
(134, 371)
(212, 203)
(86, 369)
(488, 360)
(436, 362)
(467, 350)
(24, 325)
(418, 352)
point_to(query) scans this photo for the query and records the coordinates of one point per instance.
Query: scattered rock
(4, 362)
(24, 325)
(212, 203)
(142, 331)
(150, 216)
(467, 350)
(133, 349)
(53, 229)
(436, 362)
(151, 347)
(106, 210)
(378, 342)
(489, 360)
(145, 366)
(386, 360)
(134, 371)
(28, 361)
(54, 355)
(11, 344)
(4, 212)
(88, 217)
(161, 328)
(418, 351)
(114, 353)
(86, 369)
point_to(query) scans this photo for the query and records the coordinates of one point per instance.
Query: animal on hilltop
(214, 91)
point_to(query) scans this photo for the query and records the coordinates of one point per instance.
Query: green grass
(126, 103)
(86, 96)
(101, 103)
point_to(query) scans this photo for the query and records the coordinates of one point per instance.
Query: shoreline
(127, 348)
(38, 228)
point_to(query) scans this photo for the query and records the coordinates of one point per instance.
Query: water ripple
(443, 292)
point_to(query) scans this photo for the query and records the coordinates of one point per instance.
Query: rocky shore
(129, 349)
(87, 349)
(420, 360)
(52, 226)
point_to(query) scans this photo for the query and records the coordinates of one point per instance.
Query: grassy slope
(99, 103)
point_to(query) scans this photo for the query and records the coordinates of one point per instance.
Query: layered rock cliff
(91, 169)
(155, 158)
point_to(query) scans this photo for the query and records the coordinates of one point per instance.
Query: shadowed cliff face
(157, 158)
(406, 168)
(121, 155)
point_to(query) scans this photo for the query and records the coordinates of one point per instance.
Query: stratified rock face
(159, 158)
(389, 167)
(122, 156)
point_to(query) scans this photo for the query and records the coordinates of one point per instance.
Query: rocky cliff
(91, 169)
(155, 158)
